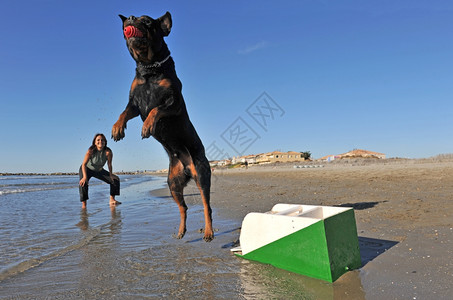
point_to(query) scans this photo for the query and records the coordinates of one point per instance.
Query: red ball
(131, 31)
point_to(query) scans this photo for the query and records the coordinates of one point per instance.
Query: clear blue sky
(373, 75)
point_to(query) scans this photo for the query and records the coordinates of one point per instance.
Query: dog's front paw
(149, 124)
(118, 131)
(147, 130)
(208, 235)
(180, 234)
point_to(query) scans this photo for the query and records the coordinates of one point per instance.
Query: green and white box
(316, 241)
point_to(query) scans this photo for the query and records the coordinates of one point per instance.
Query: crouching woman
(93, 166)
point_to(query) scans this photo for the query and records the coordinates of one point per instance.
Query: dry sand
(403, 210)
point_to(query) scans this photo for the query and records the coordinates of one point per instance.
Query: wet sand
(403, 210)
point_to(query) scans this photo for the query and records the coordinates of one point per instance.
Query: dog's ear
(123, 18)
(165, 23)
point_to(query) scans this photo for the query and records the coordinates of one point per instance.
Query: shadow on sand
(371, 248)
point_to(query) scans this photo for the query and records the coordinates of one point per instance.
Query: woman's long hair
(93, 149)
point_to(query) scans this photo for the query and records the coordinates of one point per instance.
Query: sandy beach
(403, 210)
(56, 250)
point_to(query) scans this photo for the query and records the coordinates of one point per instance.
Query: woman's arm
(83, 181)
(109, 163)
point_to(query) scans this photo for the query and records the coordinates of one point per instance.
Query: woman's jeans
(101, 175)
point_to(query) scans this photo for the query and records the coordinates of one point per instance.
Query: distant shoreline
(344, 161)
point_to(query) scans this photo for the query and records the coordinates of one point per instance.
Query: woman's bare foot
(84, 205)
(113, 202)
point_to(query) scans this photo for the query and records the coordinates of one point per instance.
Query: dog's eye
(146, 20)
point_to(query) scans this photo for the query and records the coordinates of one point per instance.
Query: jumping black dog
(156, 96)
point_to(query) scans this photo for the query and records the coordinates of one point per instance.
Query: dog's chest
(149, 95)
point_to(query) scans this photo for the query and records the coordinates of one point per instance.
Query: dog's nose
(132, 18)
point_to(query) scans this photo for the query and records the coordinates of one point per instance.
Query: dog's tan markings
(192, 169)
(176, 170)
(148, 125)
(176, 184)
(150, 53)
(151, 116)
(120, 125)
(209, 233)
(135, 52)
(136, 82)
(164, 83)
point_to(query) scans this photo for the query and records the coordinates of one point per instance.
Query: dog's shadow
(185, 196)
(229, 245)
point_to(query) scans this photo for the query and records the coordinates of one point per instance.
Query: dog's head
(145, 37)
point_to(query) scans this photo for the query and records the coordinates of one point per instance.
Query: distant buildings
(291, 156)
(356, 153)
(263, 158)
(277, 156)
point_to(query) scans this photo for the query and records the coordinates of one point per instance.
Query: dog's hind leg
(177, 180)
(201, 172)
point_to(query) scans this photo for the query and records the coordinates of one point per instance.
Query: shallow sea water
(51, 249)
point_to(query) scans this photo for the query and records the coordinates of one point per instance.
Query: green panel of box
(325, 249)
